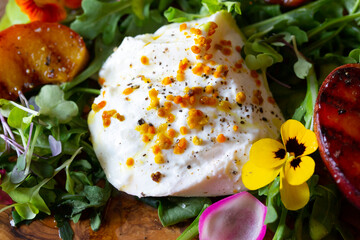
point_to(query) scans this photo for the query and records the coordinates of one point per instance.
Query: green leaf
(214, 6)
(173, 210)
(26, 210)
(271, 201)
(325, 212)
(76, 218)
(17, 175)
(300, 35)
(16, 117)
(261, 61)
(65, 231)
(5, 107)
(355, 54)
(52, 103)
(102, 52)
(13, 15)
(42, 169)
(306, 109)
(302, 68)
(95, 221)
(193, 229)
(176, 15)
(28, 199)
(138, 8)
(69, 185)
(99, 17)
(21, 162)
(289, 18)
(16, 217)
(282, 230)
(91, 197)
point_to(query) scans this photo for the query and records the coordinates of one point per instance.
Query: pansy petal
(267, 153)
(297, 139)
(293, 197)
(299, 170)
(254, 177)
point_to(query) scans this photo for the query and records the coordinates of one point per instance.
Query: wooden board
(125, 218)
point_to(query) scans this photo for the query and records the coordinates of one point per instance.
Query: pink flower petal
(240, 216)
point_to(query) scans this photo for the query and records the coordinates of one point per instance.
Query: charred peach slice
(337, 126)
(38, 53)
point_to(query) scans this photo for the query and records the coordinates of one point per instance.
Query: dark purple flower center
(280, 153)
(293, 146)
(295, 163)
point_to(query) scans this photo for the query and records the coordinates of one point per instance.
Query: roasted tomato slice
(337, 126)
(38, 53)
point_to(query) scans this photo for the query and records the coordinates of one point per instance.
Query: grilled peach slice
(337, 126)
(38, 53)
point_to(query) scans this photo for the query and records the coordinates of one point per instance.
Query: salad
(48, 165)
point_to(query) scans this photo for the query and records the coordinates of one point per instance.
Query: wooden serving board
(125, 218)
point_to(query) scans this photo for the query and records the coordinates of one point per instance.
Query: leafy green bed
(47, 137)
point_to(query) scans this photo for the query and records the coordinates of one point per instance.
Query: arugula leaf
(95, 221)
(91, 197)
(325, 212)
(28, 200)
(306, 109)
(52, 103)
(173, 210)
(209, 7)
(102, 52)
(193, 229)
(65, 231)
(214, 6)
(272, 201)
(101, 17)
(175, 15)
(355, 54)
(306, 11)
(42, 169)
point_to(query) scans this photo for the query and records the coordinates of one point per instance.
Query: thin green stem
(31, 150)
(269, 23)
(83, 90)
(25, 108)
(332, 23)
(319, 43)
(282, 226)
(356, 6)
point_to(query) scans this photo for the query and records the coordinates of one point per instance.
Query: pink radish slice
(240, 216)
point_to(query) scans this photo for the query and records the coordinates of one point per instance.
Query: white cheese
(202, 61)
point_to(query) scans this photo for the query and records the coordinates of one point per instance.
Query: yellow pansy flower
(269, 158)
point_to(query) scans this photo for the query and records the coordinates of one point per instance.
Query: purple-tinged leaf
(55, 146)
(5, 199)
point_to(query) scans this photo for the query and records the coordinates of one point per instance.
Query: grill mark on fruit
(342, 154)
(337, 118)
(349, 81)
